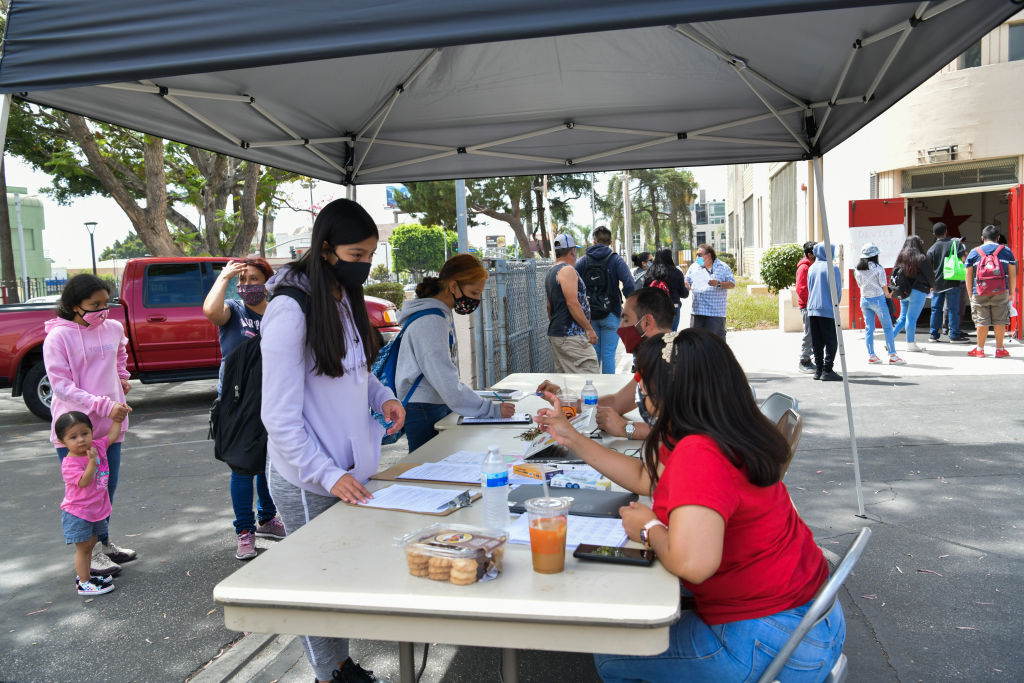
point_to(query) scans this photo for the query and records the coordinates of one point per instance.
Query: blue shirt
(708, 300)
(243, 323)
(1006, 259)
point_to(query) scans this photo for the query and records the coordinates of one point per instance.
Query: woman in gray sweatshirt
(429, 350)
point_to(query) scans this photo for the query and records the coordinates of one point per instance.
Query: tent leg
(820, 189)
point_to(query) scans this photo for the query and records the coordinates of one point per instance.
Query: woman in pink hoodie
(86, 361)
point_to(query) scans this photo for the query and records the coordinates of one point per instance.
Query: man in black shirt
(945, 291)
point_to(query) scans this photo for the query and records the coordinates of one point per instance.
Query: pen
(498, 396)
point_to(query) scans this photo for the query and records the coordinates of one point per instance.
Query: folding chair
(819, 608)
(791, 424)
(776, 404)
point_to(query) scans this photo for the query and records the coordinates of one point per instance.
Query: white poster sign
(888, 238)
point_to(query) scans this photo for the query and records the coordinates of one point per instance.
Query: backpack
(595, 279)
(239, 437)
(386, 365)
(989, 277)
(953, 269)
(899, 283)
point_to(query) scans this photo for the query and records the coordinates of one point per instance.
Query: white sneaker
(896, 360)
(100, 564)
(874, 360)
(118, 554)
(911, 346)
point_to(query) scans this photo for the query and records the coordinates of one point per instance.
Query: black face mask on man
(350, 274)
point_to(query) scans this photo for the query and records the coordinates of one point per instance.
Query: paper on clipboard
(419, 499)
(581, 423)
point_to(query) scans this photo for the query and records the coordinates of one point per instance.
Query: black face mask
(464, 305)
(350, 274)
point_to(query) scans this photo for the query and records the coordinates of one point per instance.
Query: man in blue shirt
(709, 279)
(991, 297)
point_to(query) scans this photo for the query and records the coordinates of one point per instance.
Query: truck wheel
(37, 391)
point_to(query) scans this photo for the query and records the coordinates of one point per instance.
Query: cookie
(460, 580)
(419, 571)
(464, 565)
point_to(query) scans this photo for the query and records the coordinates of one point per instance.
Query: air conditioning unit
(937, 155)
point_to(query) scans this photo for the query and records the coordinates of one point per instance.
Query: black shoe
(350, 672)
(962, 339)
(806, 366)
(816, 375)
(831, 376)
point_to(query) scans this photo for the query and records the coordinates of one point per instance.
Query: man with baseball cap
(571, 335)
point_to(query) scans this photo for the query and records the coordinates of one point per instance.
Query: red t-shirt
(770, 562)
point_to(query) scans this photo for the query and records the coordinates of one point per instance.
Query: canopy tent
(355, 92)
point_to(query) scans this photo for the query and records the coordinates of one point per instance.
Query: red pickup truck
(161, 308)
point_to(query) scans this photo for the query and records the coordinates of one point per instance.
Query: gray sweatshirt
(425, 350)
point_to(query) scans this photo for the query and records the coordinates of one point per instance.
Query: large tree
(420, 249)
(130, 247)
(150, 179)
(660, 202)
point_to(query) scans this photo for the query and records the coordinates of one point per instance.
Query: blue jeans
(675, 318)
(419, 422)
(870, 308)
(910, 309)
(607, 329)
(951, 297)
(737, 651)
(241, 501)
(114, 461)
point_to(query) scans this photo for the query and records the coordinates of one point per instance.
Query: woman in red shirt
(722, 520)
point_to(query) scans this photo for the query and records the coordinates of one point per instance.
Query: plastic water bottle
(589, 396)
(494, 483)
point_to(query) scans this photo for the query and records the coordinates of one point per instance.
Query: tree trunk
(654, 217)
(514, 222)
(10, 279)
(268, 228)
(247, 207)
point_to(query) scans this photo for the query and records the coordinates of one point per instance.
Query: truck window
(211, 271)
(173, 284)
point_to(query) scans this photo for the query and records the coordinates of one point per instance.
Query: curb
(248, 655)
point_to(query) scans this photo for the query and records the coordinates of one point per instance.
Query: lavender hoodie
(85, 365)
(319, 428)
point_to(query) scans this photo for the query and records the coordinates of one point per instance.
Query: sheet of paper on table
(461, 468)
(411, 498)
(517, 418)
(593, 530)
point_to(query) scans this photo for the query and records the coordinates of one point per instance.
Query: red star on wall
(952, 221)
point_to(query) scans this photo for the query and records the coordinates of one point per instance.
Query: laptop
(585, 502)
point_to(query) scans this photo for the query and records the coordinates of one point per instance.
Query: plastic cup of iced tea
(549, 518)
(570, 403)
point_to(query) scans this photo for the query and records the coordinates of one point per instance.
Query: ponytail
(428, 288)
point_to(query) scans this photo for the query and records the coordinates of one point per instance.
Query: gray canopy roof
(410, 90)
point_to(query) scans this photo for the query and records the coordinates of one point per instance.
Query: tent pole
(461, 216)
(819, 187)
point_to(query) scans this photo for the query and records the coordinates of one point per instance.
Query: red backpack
(989, 278)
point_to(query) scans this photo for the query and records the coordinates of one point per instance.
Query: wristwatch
(630, 429)
(646, 531)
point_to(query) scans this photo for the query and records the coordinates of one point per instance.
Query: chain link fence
(510, 327)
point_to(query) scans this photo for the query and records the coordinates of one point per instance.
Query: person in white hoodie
(428, 358)
(323, 444)
(86, 358)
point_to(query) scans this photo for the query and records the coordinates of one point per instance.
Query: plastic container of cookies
(456, 553)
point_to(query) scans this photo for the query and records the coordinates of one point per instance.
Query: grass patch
(751, 311)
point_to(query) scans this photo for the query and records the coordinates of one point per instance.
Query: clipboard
(523, 419)
(394, 473)
(459, 500)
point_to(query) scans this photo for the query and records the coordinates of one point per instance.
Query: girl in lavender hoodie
(86, 358)
(322, 442)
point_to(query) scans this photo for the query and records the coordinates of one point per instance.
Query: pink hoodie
(85, 366)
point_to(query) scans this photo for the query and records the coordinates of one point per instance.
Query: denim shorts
(77, 530)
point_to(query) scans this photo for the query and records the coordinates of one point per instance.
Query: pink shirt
(91, 502)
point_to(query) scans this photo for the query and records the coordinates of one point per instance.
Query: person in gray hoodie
(323, 445)
(430, 353)
(821, 316)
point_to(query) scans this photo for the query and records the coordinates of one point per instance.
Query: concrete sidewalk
(936, 593)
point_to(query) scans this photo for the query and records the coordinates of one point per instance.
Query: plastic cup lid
(547, 505)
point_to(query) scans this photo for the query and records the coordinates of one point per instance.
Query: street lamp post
(91, 227)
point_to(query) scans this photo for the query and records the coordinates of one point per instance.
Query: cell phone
(609, 553)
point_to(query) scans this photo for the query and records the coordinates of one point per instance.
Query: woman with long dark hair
(322, 441)
(664, 275)
(721, 521)
(913, 260)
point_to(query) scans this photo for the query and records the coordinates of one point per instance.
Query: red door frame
(864, 213)
(1015, 237)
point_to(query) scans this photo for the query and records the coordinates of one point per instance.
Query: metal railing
(29, 288)
(510, 327)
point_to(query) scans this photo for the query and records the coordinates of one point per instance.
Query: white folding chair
(819, 608)
(776, 405)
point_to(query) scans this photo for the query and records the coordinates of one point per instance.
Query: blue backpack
(385, 366)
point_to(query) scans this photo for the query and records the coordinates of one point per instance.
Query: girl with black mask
(427, 376)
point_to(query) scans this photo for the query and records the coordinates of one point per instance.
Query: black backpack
(595, 278)
(239, 437)
(899, 283)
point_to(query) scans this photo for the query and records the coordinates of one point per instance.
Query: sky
(66, 239)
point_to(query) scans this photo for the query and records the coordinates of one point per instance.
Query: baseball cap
(869, 250)
(565, 241)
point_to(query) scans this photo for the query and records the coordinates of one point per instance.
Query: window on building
(970, 58)
(748, 222)
(873, 186)
(782, 187)
(1016, 42)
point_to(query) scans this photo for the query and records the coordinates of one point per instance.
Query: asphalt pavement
(936, 596)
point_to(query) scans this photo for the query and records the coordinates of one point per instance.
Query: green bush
(392, 291)
(728, 259)
(778, 266)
